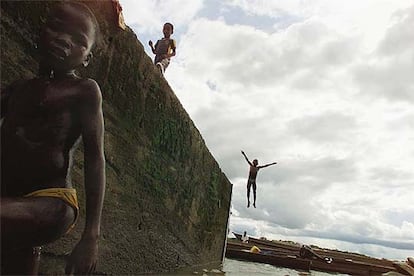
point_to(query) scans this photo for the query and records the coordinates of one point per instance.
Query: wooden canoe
(269, 258)
(342, 262)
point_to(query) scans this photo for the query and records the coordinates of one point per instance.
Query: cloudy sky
(323, 87)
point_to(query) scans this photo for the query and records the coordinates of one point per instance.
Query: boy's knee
(22, 227)
(160, 67)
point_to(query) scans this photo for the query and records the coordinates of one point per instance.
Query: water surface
(233, 267)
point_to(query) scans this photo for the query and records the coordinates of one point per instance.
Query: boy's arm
(171, 54)
(152, 47)
(267, 165)
(173, 49)
(84, 255)
(247, 159)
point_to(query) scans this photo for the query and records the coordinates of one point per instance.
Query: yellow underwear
(68, 195)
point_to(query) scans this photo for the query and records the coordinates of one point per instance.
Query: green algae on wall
(167, 200)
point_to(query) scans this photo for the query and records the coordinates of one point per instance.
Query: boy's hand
(150, 43)
(83, 258)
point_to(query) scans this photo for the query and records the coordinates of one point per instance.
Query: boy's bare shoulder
(89, 85)
(89, 90)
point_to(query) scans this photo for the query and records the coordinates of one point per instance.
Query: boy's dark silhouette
(42, 120)
(165, 48)
(254, 168)
(245, 238)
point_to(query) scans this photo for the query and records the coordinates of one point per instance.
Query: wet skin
(43, 118)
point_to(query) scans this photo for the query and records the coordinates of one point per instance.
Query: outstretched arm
(247, 159)
(84, 255)
(267, 165)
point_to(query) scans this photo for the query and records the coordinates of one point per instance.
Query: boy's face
(67, 38)
(167, 30)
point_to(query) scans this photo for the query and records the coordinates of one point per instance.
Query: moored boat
(267, 257)
(288, 255)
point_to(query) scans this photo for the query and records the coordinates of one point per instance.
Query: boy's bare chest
(42, 98)
(42, 109)
(163, 46)
(253, 170)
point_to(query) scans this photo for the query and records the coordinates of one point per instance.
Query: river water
(235, 268)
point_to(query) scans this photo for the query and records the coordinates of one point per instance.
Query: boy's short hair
(81, 7)
(171, 25)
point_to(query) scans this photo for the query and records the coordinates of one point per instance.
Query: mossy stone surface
(167, 200)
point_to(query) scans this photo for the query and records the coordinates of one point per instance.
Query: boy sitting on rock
(42, 120)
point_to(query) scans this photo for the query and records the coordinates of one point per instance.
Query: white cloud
(244, 56)
(328, 94)
(330, 126)
(399, 37)
(367, 18)
(392, 61)
(149, 16)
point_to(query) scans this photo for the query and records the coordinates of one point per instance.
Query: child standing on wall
(164, 49)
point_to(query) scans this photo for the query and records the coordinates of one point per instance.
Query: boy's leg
(163, 64)
(254, 194)
(27, 223)
(160, 67)
(22, 261)
(248, 193)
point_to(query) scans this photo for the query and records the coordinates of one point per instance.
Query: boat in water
(306, 258)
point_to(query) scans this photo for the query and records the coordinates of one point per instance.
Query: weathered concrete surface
(167, 200)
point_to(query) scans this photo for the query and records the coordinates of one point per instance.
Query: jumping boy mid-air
(254, 168)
